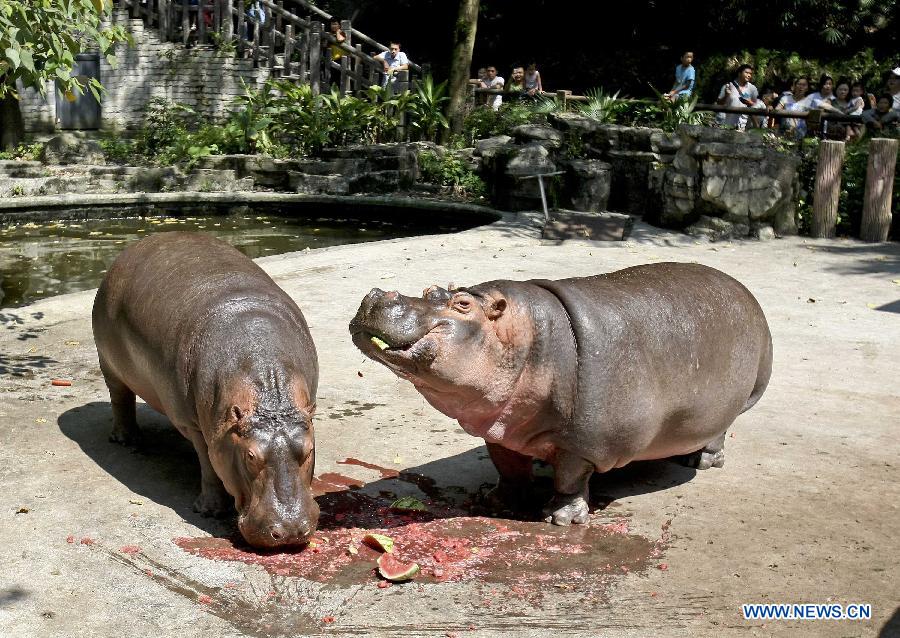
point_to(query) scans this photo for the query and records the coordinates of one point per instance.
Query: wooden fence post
(827, 189)
(288, 50)
(876, 216)
(201, 22)
(315, 57)
(561, 97)
(227, 20)
(165, 20)
(241, 27)
(185, 21)
(345, 58)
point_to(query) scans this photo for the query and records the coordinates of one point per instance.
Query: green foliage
(601, 106)
(39, 40)
(484, 122)
(23, 152)
(678, 112)
(447, 169)
(426, 113)
(118, 150)
(778, 67)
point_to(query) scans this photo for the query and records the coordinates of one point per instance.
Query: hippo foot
(507, 496)
(126, 437)
(565, 509)
(703, 459)
(214, 504)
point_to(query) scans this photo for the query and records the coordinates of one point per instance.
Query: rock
(491, 144)
(762, 232)
(318, 184)
(568, 121)
(587, 184)
(155, 180)
(69, 148)
(545, 135)
(717, 229)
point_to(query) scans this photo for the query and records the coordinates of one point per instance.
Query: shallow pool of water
(43, 259)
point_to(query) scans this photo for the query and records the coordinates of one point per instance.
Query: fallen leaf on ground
(22, 510)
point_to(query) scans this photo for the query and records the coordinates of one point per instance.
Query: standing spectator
(516, 86)
(858, 90)
(394, 60)
(894, 88)
(882, 116)
(768, 99)
(481, 76)
(332, 52)
(790, 101)
(738, 93)
(848, 105)
(685, 78)
(493, 81)
(824, 97)
(533, 84)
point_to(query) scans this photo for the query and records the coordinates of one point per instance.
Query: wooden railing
(290, 46)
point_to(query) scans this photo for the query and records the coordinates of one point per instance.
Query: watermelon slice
(379, 541)
(395, 571)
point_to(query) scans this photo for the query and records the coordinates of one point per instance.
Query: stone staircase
(345, 171)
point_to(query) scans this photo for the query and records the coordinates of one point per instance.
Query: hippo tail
(764, 373)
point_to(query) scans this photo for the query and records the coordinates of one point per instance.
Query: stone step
(211, 180)
(17, 168)
(318, 184)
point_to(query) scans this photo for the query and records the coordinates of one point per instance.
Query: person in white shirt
(493, 81)
(394, 60)
(739, 93)
(894, 88)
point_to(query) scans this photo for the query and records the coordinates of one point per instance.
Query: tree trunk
(12, 126)
(828, 188)
(876, 216)
(461, 63)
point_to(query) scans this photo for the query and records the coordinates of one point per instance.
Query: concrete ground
(806, 509)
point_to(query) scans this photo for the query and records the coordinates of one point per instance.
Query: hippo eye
(462, 304)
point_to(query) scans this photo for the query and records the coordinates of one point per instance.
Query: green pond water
(43, 259)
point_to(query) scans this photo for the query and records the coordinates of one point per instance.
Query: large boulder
(70, 148)
(587, 185)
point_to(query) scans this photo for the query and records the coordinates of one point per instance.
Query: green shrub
(118, 150)
(449, 170)
(23, 152)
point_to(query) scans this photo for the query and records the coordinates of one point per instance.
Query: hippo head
(265, 456)
(453, 345)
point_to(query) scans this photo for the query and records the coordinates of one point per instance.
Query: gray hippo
(587, 374)
(204, 336)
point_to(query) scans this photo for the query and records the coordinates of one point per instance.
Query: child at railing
(533, 84)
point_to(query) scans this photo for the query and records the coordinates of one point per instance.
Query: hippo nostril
(276, 532)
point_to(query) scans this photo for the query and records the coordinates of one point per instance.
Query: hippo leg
(515, 478)
(713, 455)
(125, 429)
(570, 503)
(214, 500)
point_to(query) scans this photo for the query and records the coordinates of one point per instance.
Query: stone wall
(200, 78)
(710, 181)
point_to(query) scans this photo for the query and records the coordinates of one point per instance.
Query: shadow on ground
(165, 470)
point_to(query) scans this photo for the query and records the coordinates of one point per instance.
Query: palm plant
(601, 106)
(426, 109)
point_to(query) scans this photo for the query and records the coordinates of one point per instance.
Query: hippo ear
(237, 413)
(496, 308)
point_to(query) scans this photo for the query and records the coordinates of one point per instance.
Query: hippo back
(681, 344)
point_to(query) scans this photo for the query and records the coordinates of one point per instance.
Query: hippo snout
(270, 532)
